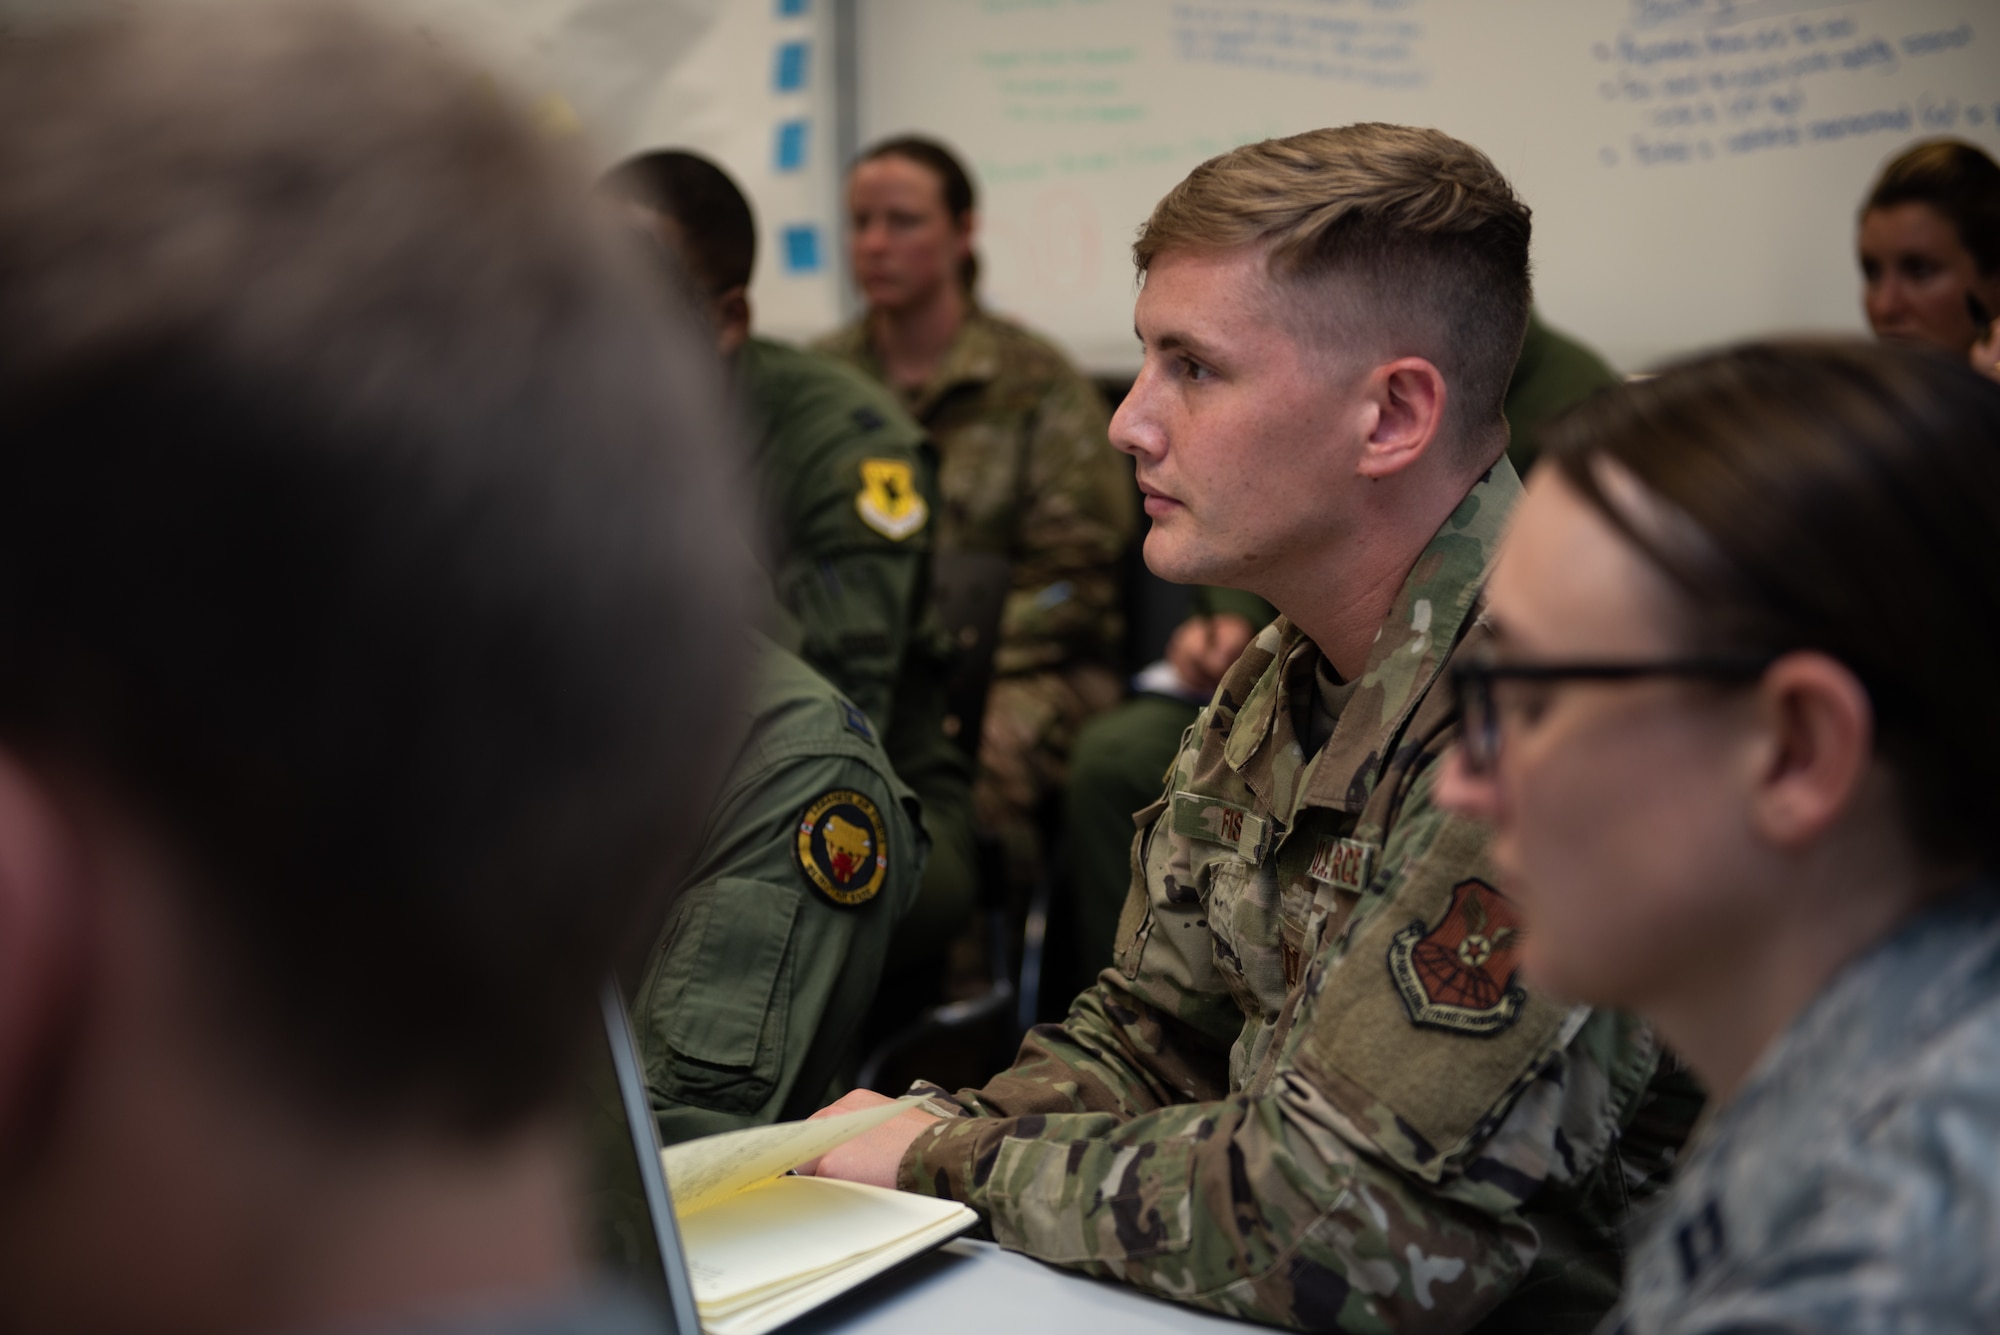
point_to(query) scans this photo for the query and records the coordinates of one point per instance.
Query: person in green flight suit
(1120, 755)
(1036, 501)
(848, 486)
(753, 996)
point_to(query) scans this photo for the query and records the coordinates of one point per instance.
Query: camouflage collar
(1429, 616)
(974, 358)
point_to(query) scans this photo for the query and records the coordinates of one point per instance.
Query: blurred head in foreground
(1741, 720)
(346, 646)
(1929, 237)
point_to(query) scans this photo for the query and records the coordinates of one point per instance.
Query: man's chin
(1171, 561)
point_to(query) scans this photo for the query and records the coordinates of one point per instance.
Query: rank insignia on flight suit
(1459, 975)
(888, 501)
(843, 847)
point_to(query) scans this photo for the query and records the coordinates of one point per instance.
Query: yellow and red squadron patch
(843, 847)
(889, 501)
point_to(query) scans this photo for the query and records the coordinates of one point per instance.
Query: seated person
(810, 856)
(1737, 740)
(1312, 1091)
(849, 491)
(1034, 497)
(1929, 239)
(1119, 757)
(346, 646)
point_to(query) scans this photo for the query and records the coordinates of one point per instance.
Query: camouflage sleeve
(1081, 513)
(753, 994)
(1375, 1182)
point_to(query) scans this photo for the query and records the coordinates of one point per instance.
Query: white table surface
(975, 1288)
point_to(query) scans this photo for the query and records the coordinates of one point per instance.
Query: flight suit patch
(856, 721)
(1459, 975)
(868, 419)
(888, 501)
(842, 847)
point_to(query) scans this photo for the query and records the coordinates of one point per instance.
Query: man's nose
(1133, 428)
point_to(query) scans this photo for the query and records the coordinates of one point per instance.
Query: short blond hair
(1423, 236)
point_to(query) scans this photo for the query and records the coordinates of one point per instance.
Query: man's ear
(1819, 739)
(1407, 398)
(41, 936)
(731, 314)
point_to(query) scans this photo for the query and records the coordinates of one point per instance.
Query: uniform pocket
(711, 1033)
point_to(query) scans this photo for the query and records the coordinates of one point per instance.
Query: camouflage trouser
(1031, 723)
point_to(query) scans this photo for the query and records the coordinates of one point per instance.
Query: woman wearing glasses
(1740, 745)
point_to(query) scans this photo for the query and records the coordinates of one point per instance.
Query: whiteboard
(1694, 166)
(748, 83)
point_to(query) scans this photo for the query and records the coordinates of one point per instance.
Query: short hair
(352, 552)
(954, 185)
(717, 234)
(1836, 496)
(1957, 179)
(1422, 236)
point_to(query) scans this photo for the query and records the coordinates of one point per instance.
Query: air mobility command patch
(888, 501)
(1459, 975)
(843, 847)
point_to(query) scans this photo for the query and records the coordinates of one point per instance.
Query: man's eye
(1194, 370)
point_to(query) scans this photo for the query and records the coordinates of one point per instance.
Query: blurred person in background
(1027, 475)
(348, 663)
(1929, 243)
(849, 497)
(1738, 742)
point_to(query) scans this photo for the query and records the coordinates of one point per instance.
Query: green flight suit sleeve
(851, 487)
(1080, 514)
(1379, 1180)
(750, 1001)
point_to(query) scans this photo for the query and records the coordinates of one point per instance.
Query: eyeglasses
(1472, 687)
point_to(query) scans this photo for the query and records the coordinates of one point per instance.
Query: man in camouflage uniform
(848, 486)
(752, 998)
(1312, 1091)
(1120, 754)
(1026, 476)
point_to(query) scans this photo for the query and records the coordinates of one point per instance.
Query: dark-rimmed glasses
(1472, 687)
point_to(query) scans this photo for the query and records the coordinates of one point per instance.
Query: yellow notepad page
(797, 1229)
(702, 1172)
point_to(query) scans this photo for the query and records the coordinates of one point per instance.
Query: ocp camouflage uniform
(1027, 471)
(1853, 1183)
(1311, 1092)
(753, 994)
(849, 493)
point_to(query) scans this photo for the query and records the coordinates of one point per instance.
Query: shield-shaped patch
(1459, 975)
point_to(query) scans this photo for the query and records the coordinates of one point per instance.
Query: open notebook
(745, 1247)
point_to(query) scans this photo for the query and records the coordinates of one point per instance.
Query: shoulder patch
(842, 847)
(888, 501)
(868, 419)
(856, 720)
(1459, 975)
